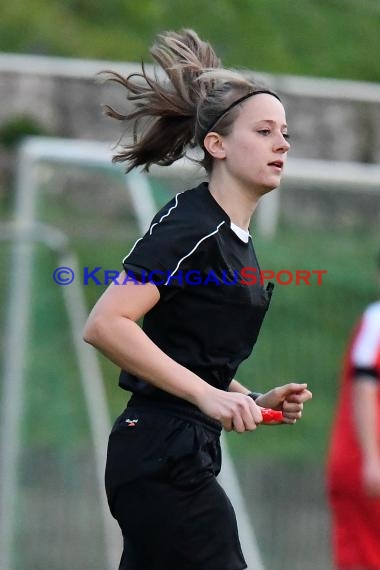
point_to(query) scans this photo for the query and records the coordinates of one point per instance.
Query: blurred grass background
(294, 37)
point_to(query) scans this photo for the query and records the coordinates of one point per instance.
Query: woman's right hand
(235, 411)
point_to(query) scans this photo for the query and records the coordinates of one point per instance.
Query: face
(255, 151)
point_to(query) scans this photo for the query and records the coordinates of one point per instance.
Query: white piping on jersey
(133, 247)
(155, 224)
(194, 248)
(167, 213)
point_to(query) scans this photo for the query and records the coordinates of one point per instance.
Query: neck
(236, 200)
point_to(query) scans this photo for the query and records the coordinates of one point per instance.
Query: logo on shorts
(131, 423)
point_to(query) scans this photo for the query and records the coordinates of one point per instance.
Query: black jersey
(206, 318)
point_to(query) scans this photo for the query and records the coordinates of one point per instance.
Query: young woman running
(200, 320)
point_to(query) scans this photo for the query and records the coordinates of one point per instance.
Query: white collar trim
(242, 234)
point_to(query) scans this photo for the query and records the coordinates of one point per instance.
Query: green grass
(330, 38)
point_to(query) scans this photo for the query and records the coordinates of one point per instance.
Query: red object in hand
(270, 415)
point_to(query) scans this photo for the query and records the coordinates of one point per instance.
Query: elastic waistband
(185, 411)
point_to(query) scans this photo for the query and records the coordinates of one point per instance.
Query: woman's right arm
(366, 421)
(112, 329)
(365, 397)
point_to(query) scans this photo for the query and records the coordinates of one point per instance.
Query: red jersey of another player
(355, 515)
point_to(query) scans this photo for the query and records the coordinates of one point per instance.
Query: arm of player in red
(271, 416)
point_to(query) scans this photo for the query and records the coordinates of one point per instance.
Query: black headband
(240, 100)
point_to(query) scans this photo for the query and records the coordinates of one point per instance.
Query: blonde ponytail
(174, 111)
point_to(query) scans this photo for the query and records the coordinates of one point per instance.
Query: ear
(214, 144)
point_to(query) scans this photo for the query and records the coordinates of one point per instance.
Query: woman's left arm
(235, 386)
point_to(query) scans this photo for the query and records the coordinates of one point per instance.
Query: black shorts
(162, 489)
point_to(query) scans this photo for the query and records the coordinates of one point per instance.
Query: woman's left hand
(288, 398)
